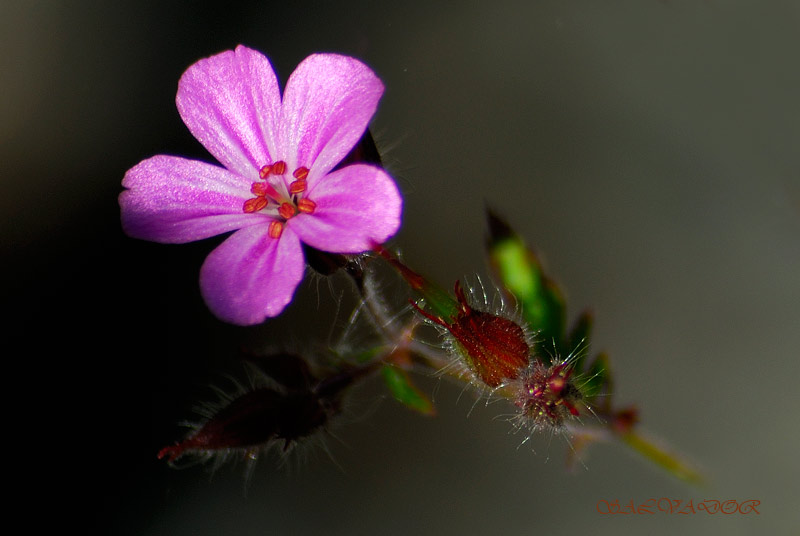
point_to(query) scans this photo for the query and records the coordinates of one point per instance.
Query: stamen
(254, 205)
(275, 229)
(300, 173)
(306, 205)
(279, 167)
(286, 210)
(264, 171)
(298, 186)
(259, 188)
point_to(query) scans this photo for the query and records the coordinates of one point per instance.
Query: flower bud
(494, 348)
(252, 420)
(283, 405)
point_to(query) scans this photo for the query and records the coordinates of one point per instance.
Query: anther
(279, 167)
(275, 229)
(264, 171)
(286, 210)
(300, 173)
(259, 188)
(306, 205)
(254, 205)
(298, 186)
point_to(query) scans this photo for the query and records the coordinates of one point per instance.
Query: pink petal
(251, 276)
(231, 103)
(328, 103)
(175, 200)
(356, 206)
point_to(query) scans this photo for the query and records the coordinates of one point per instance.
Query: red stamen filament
(272, 193)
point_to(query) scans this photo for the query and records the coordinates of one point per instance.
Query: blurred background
(648, 150)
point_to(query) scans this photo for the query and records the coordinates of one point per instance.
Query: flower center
(279, 197)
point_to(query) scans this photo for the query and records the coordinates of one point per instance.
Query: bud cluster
(546, 395)
(497, 352)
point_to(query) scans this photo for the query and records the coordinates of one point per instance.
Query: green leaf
(399, 383)
(521, 273)
(439, 302)
(552, 318)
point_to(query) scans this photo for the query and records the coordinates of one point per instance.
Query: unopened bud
(494, 348)
(285, 406)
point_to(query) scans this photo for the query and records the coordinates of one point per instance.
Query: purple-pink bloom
(277, 188)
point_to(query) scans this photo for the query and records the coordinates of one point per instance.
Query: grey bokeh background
(648, 150)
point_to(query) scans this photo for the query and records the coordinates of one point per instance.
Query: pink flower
(277, 188)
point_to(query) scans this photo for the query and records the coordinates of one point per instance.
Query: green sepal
(399, 383)
(438, 302)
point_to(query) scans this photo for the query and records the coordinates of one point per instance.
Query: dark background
(649, 151)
